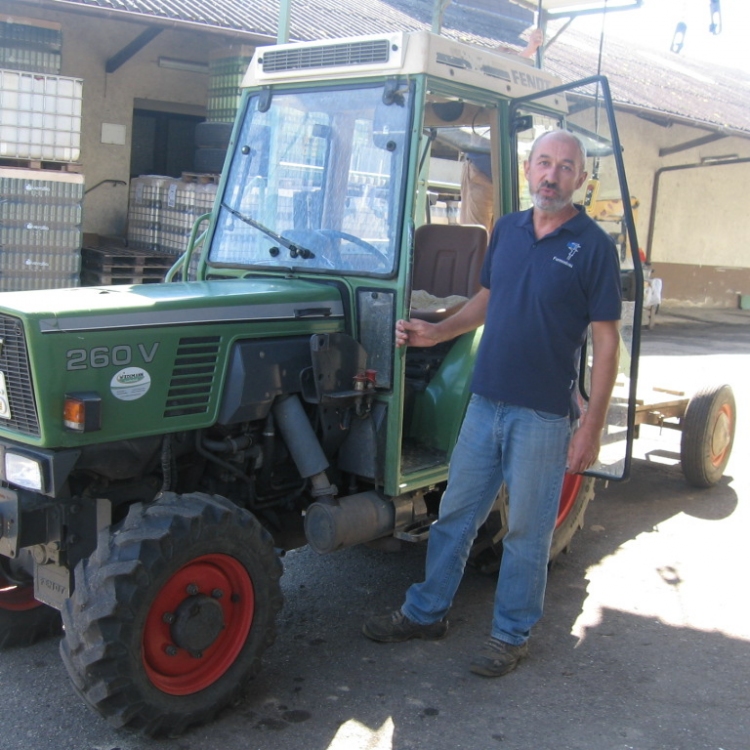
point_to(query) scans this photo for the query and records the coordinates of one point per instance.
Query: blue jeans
(527, 450)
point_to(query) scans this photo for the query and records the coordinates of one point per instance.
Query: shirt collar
(574, 224)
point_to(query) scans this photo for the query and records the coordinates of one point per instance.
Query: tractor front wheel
(171, 613)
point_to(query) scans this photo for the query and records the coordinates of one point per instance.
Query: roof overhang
(135, 16)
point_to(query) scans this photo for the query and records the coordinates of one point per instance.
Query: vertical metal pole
(285, 11)
(438, 10)
(541, 23)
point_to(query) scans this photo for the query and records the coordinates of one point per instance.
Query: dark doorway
(163, 143)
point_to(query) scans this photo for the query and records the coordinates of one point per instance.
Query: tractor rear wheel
(577, 492)
(171, 613)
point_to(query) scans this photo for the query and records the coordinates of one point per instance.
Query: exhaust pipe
(354, 519)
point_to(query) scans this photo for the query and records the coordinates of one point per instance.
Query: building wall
(88, 42)
(696, 239)
(700, 228)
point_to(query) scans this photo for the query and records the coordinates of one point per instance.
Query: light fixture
(188, 66)
(678, 40)
(715, 27)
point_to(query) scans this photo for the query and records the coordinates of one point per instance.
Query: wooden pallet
(53, 166)
(123, 265)
(202, 178)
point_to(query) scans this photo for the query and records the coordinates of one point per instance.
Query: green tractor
(162, 445)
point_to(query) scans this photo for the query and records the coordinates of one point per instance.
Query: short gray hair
(576, 139)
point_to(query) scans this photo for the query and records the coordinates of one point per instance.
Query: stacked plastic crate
(35, 46)
(41, 191)
(227, 67)
(40, 229)
(164, 209)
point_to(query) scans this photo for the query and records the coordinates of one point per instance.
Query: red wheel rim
(721, 439)
(571, 487)
(17, 598)
(175, 671)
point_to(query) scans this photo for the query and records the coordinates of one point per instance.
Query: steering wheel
(336, 234)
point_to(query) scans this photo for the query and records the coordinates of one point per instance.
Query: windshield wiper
(295, 251)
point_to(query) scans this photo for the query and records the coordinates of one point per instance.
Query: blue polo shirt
(543, 295)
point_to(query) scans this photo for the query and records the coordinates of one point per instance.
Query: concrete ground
(645, 643)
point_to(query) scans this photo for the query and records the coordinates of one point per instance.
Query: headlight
(23, 471)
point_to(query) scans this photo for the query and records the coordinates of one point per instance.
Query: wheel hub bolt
(170, 650)
(168, 617)
(217, 593)
(192, 589)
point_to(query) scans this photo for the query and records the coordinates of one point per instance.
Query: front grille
(193, 376)
(14, 364)
(368, 52)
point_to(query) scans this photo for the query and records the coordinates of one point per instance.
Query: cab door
(585, 109)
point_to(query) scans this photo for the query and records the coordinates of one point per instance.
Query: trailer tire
(577, 492)
(171, 613)
(23, 619)
(708, 435)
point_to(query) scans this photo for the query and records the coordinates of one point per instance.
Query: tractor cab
(348, 168)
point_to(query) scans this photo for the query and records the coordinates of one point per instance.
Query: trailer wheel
(577, 492)
(24, 620)
(708, 435)
(171, 613)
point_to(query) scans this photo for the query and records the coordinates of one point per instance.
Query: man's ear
(582, 179)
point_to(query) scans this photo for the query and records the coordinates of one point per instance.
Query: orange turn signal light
(82, 412)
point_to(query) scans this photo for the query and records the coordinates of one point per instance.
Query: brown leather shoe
(497, 658)
(397, 627)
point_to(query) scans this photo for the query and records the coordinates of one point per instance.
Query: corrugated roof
(639, 77)
(661, 82)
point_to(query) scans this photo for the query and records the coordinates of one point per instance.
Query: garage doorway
(163, 143)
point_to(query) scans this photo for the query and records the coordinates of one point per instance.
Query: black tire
(209, 160)
(24, 620)
(708, 435)
(577, 492)
(171, 613)
(213, 134)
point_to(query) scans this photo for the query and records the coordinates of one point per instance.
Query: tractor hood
(159, 305)
(154, 356)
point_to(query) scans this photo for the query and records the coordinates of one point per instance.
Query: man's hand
(586, 441)
(421, 333)
(415, 333)
(583, 449)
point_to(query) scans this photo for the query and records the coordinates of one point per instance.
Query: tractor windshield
(315, 181)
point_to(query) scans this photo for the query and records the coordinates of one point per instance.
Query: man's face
(554, 172)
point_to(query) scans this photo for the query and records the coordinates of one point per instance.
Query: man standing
(550, 272)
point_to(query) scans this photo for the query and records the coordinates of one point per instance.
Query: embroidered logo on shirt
(573, 248)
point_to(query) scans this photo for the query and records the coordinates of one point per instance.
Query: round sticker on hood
(130, 383)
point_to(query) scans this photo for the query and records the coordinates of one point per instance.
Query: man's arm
(421, 333)
(586, 441)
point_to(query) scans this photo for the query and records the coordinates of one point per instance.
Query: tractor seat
(448, 262)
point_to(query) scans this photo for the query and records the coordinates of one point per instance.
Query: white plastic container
(40, 116)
